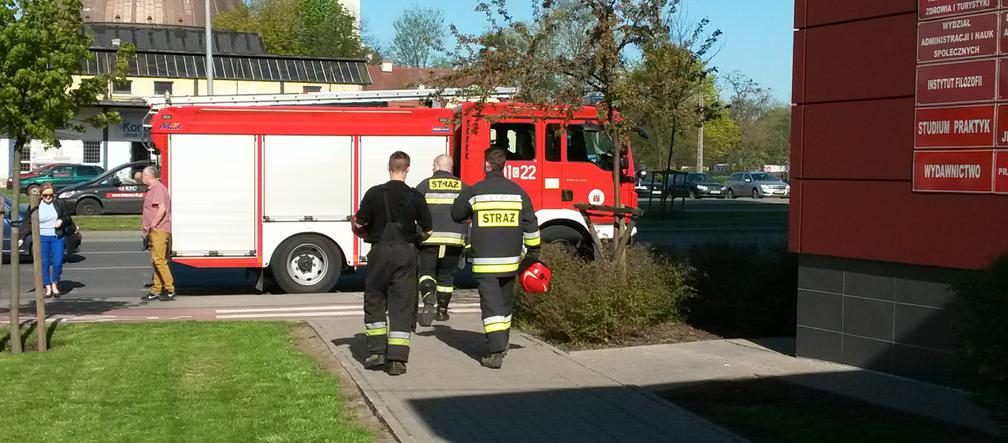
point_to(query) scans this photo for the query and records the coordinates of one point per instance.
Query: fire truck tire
(567, 239)
(306, 263)
(88, 206)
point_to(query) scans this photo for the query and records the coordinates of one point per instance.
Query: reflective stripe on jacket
(440, 191)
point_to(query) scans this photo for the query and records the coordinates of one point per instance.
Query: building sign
(958, 38)
(953, 171)
(958, 82)
(955, 127)
(929, 9)
(129, 129)
(1001, 172)
(959, 120)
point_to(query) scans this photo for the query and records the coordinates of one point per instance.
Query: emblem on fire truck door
(596, 197)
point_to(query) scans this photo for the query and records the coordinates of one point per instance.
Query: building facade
(879, 234)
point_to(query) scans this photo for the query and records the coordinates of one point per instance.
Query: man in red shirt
(157, 228)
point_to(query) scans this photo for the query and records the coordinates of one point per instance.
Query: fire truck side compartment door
(307, 177)
(374, 157)
(213, 192)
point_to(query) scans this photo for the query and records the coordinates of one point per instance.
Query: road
(111, 268)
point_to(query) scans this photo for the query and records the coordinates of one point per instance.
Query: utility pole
(699, 153)
(209, 50)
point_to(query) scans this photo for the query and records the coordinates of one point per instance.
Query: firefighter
(502, 221)
(440, 253)
(389, 215)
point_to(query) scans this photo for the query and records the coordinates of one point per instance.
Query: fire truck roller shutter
(374, 157)
(212, 185)
(307, 178)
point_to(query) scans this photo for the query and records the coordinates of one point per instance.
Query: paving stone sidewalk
(540, 394)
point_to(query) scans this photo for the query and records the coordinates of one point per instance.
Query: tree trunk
(668, 163)
(619, 224)
(15, 296)
(40, 316)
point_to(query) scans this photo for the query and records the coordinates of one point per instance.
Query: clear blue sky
(757, 34)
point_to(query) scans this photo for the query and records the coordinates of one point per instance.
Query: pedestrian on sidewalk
(440, 253)
(54, 223)
(157, 229)
(390, 214)
(502, 221)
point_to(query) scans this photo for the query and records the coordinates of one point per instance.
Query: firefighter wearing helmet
(502, 221)
(440, 253)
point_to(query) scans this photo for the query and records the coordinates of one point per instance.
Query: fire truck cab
(273, 187)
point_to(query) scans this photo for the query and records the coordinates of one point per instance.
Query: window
(735, 177)
(92, 152)
(553, 134)
(123, 87)
(162, 88)
(517, 139)
(62, 172)
(763, 177)
(307, 89)
(589, 146)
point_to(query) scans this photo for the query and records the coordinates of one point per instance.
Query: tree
(524, 55)
(418, 37)
(321, 28)
(42, 46)
(764, 124)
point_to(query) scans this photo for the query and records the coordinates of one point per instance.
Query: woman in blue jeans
(52, 222)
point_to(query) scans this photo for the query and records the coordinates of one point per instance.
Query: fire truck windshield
(589, 146)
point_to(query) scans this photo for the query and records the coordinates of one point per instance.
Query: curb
(378, 408)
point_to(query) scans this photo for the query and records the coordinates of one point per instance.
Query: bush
(981, 323)
(592, 302)
(742, 290)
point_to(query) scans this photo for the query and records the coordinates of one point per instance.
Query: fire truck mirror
(643, 133)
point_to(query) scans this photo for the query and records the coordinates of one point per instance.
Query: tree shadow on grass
(27, 331)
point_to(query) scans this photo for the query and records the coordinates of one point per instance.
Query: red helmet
(535, 278)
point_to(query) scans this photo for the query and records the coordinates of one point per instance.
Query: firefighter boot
(442, 307)
(396, 368)
(427, 293)
(375, 361)
(493, 360)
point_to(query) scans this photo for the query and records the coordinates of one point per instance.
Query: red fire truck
(273, 187)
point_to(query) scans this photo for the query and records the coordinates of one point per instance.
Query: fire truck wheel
(88, 206)
(306, 263)
(567, 239)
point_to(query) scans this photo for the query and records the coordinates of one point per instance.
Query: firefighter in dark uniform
(440, 253)
(390, 213)
(502, 221)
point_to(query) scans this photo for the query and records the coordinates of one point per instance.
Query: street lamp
(209, 50)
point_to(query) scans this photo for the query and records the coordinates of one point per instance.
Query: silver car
(756, 185)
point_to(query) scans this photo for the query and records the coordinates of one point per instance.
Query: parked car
(697, 185)
(646, 188)
(60, 175)
(756, 185)
(71, 242)
(114, 192)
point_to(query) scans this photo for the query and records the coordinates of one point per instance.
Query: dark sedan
(71, 242)
(115, 192)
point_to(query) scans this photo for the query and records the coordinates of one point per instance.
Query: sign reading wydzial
(962, 75)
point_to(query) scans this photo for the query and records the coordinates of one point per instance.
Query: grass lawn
(781, 412)
(160, 382)
(108, 222)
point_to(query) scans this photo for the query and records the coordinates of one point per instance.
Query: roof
(154, 12)
(179, 52)
(402, 77)
(175, 38)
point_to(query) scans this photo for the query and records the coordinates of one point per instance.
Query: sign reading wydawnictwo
(955, 127)
(958, 38)
(957, 82)
(929, 9)
(954, 171)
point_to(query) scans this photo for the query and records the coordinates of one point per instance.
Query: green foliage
(173, 382)
(321, 28)
(41, 47)
(595, 301)
(764, 125)
(418, 37)
(981, 321)
(742, 290)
